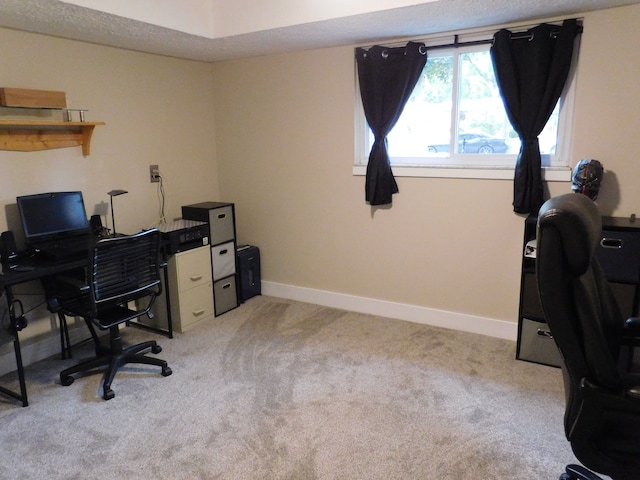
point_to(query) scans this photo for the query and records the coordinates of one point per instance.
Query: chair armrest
(634, 392)
(632, 327)
(67, 294)
(626, 399)
(597, 402)
(69, 286)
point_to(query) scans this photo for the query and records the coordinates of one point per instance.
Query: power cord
(161, 199)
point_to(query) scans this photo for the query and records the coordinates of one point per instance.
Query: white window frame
(561, 171)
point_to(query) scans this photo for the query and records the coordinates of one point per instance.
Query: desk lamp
(114, 193)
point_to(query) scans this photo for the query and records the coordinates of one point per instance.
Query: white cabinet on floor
(190, 285)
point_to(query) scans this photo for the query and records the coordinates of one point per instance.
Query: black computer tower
(249, 269)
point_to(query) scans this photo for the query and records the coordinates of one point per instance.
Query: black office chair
(123, 280)
(602, 413)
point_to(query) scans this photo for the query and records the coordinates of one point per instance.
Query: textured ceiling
(60, 19)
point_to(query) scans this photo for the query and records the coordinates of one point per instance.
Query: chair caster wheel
(108, 394)
(156, 349)
(166, 371)
(66, 381)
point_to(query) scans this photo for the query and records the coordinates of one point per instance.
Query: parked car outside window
(473, 143)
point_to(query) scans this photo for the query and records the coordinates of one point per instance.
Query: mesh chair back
(125, 268)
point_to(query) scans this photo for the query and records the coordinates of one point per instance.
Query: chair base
(116, 358)
(577, 472)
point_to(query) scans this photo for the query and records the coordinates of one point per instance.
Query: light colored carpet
(277, 389)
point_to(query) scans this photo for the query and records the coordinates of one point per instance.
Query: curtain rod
(457, 44)
(514, 36)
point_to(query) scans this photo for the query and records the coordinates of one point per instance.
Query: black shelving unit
(619, 257)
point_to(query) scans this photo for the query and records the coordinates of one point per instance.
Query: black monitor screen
(52, 215)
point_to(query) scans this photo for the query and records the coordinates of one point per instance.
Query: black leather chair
(122, 282)
(602, 414)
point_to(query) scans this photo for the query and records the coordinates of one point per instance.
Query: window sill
(558, 174)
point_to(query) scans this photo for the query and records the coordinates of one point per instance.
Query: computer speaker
(96, 226)
(8, 249)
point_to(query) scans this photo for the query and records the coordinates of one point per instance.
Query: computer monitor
(52, 216)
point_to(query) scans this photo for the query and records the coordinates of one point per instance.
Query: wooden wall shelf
(34, 135)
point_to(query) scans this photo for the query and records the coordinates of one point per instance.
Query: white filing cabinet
(190, 285)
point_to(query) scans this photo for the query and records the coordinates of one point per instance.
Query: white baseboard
(30, 353)
(400, 311)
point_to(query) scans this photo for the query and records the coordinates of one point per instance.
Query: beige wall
(285, 150)
(157, 110)
(607, 117)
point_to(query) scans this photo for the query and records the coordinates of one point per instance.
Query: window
(455, 123)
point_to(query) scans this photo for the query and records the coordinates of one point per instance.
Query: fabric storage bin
(619, 255)
(221, 224)
(225, 295)
(537, 344)
(223, 260)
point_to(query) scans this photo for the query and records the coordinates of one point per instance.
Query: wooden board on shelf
(23, 97)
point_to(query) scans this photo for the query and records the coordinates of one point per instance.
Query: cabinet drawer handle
(544, 333)
(222, 215)
(611, 243)
(224, 287)
(223, 252)
(199, 312)
(195, 278)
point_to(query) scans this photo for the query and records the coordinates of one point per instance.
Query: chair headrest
(576, 218)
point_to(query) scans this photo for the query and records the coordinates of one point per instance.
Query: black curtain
(387, 77)
(531, 70)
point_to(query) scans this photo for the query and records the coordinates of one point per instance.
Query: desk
(10, 278)
(41, 269)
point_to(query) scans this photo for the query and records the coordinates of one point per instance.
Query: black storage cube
(249, 270)
(619, 255)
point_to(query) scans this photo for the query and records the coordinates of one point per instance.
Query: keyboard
(64, 249)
